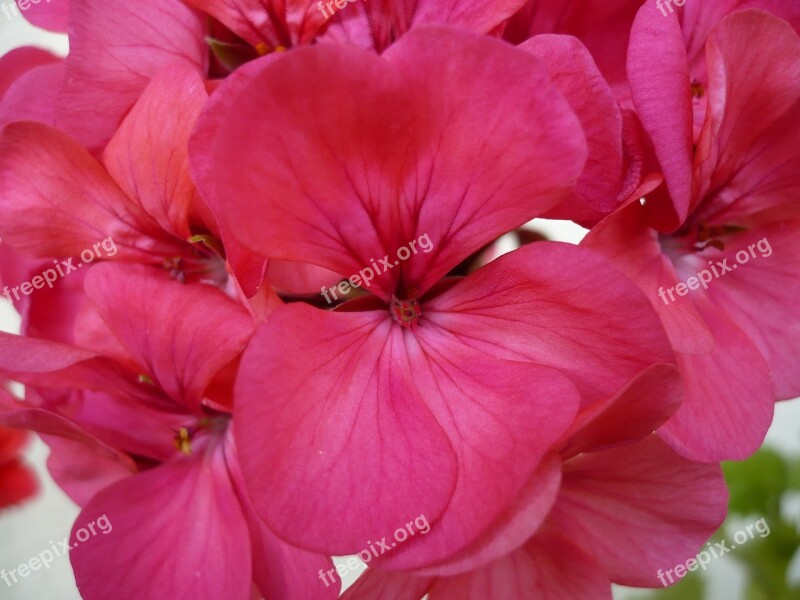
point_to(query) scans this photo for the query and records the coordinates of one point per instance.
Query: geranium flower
(736, 333)
(669, 78)
(426, 395)
(143, 409)
(59, 201)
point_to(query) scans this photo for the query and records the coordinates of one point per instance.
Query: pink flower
(59, 201)
(139, 422)
(736, 334)
(669, 78)
(425, 395)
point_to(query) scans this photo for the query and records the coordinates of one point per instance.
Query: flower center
(406, 312)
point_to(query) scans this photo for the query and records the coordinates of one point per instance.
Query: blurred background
(767, 486)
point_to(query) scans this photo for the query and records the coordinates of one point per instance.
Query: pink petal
(79, 472)
(658, 72)
(602, 25)
(538, 570)
(631, 415)
(280, 570)
(502, 417)
(32, 97)
(639, 508)
(182, 355)
(50, 14)
(727, 409)
(58, 201)
(190, 507)
(48, 364)
(79, 462)
(513, 528)
(540, 303)
(248, 267)
(763, 297)
(114, 51)
(481, 17)
(271, 23)
(19, 61)
(335, 215)
(741, 85)
(355, 420)
(653, 272)
(376, 584)
(576, 75)
(148, 156)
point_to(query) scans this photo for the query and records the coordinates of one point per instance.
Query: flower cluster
(557, 425)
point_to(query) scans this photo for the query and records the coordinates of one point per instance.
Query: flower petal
(542, 304)
(190, 507)
(115, 49)
(148, 155)
(141, 306)
(355, 421)
(336, 215)
(669, 507)
(58, 201)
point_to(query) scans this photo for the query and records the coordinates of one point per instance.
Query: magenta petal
(502, 417)
(575, 74)
(513, 528)
(481, 17)
(338, 195)
(20, 61)
(33, 96)
(658, 72)
(740, 85)
(50, 14)
(727, 409)
(631, 415)
(763, 296)
(279, 569)
(376, 584)
(182, 334)
(148, 155)
(190, 507)
(534, 571)
(355, 422)
(115, 49)
(669, 506)
(58, 201)
(540, 303)
(652, 271)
